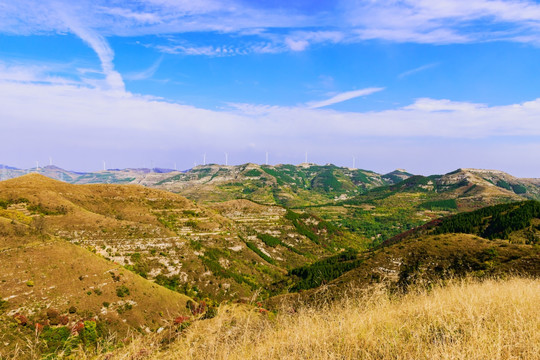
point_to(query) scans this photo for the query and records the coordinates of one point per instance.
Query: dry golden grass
(464, 320)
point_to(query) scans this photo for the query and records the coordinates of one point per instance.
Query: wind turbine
(37, 166)
(204, 159)
(353, 162)
(104, 166)
(306, 158)
(266, 158)
(226, 159)
(50, 161)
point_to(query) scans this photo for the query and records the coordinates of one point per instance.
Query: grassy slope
(465, 320)
(427, 259)
(207, 252)
(63, 275)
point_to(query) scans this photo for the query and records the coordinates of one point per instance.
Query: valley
(127, 257)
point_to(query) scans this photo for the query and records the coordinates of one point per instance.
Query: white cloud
(91, 120)
(146, 73)
(444, 21)
(343, 97)
(417, 70)
(57, 105)
(254, 28)
(296, 45)
(98, 43)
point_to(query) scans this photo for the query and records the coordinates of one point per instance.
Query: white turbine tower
(266, 158)
(104, 166)
(37, 166)
(353, 162)
(50, 161)
(226, 159)
(204, 159)
(175, 169)
(306, 158)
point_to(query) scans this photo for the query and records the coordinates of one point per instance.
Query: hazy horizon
(172, 168)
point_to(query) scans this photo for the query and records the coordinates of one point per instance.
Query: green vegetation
(325, 270)
(211, 260)
(4, 305)
(174, 283)
(326, 181)
(122, 291)
(503, 184)
(56, 338)
(269, 240)
(140, 265)
(448, 204)
(312, 229)
(519, 189)
(258, 251)
(494, 222)
(253, 173)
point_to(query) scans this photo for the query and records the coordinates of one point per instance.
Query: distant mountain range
(297, 185)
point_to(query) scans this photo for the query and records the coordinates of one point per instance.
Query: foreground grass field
(494, 319)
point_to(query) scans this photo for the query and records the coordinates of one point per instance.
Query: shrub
(53, 316)
(257, 251)
(122, 291)
(64, 320)
(269, 240)
(3, 306)
(20, 319)
(252, 173)
(88, 335)
(55, 337)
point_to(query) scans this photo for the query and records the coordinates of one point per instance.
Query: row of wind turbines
(195, 163)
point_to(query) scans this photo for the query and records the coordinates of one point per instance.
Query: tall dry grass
(491, 320)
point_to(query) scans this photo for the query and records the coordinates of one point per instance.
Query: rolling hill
(496, 240)
(229, 250)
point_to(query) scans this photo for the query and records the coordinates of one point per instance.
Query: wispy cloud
(146, 73)
(417, 70)
(343, 97)
(254, 27)
(98, 43)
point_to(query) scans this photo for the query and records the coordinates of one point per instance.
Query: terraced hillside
(230, 251)
(51, 289)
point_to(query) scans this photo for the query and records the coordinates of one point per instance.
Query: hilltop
(280, 184)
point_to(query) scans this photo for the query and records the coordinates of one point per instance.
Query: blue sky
(429, 86)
